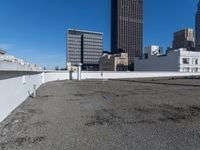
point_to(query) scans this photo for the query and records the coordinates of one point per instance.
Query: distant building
(2, 52)
(84, 47)
(127, 28)
(179, 60)
(71, 68)
(197, 28)
(154, 49)
(114, 62)
(184, 39)
(9, 62)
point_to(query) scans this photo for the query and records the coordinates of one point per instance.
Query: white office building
(179, 60)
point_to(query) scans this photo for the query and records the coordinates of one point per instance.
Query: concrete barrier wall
(16, 86)
(123, 75)
(53, 76)
(13, 91)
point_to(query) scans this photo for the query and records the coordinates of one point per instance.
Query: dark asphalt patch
(156, 114)
(80, 95)
(105, 116)
(39, 124)
(21, 141)
(44, 96)
(171, 113)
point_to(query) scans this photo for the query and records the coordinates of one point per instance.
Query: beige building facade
(114, 62)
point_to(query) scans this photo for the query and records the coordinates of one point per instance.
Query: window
(196, 62)
(186, 69)
(146, 56)
(185, 60)
(194, 70)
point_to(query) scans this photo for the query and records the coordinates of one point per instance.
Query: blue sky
(35, 30)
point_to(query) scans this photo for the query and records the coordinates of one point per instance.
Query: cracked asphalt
(145, 114)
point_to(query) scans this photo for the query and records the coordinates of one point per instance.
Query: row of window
(74, 47)
(93, 44)
(85, 44)
(90, 48)
(86, 51)
(93, 57)
(92, 52)
(93, 37)
(193, 61)
(73, 40)
(92, 40)
(190, 69)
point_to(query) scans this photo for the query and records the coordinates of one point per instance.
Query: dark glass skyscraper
(197, 29)
(127, 27)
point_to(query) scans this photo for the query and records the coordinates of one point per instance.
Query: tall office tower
(197, 28)
(127, 27)
(184, 39)
(84, 47)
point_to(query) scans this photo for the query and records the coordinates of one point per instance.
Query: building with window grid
(184, 39)
(84, 47)
(197, 28)
(127, 28)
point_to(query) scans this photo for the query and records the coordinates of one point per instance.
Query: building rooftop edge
(184, 29)
(85, 31)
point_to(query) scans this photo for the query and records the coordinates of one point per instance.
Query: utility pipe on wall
(79, 72)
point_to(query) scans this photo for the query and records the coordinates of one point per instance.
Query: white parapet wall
(56, 75)
(16, 86)
(133, 75)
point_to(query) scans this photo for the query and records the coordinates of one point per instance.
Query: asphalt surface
(145, 114)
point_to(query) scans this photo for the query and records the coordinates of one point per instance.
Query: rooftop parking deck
(143, 114)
